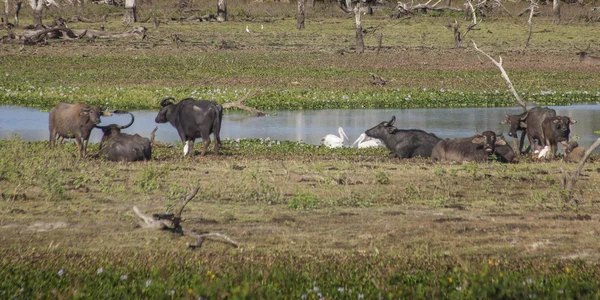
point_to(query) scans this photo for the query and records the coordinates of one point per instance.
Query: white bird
(333, 141)
(247, 30)
(544, 153)
(262, 27)
(369, 143)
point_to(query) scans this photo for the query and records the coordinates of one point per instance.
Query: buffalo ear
(556, 121)
(504, 122)
(500, 142)
(479, 140)
(523, 124)
(85, 112)
(106, 113)
(390, 129)
(573, 121)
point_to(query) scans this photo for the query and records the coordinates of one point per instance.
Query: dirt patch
(393, 213)
(577, 217)
(46, 226)
(283, 219)
(445, 220)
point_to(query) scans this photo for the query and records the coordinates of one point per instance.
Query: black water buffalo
(477, 148)
(556, 130)
(573, 153)
(503, 151)
(404, 143)
(75, 120)
(118, 146)
(529, 122)
(193, 119)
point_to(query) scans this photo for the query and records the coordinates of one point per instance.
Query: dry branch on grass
(504, 75)
(172, 222)
(458, 37)
(240, 104)
(567, 182)
(32, 37)
(406, 9)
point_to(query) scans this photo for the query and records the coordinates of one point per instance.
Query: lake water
(310, 125)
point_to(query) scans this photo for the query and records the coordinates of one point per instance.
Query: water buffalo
(477, 148)
(556, 130)
(76, 120)
(530, 123)
(404, 143)
(503, 151)
(193, 119)
(118, 146)
(573, 153)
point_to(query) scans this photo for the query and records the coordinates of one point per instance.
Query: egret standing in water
(369, 143)
(333, 141)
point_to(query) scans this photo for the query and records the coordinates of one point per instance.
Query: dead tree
(458, 37)
(567, 183)
(406, 9)
(556, 11)
(131, 6)
(505, 76)
(357, 7)
(37, 6)
(240, 104)
(172, 222)
(300, 17)
(532, 7)
(221, 10)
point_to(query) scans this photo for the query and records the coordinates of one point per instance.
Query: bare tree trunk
(300, 17)
(556, 10)
(6, 13)
(17, 11)
(130, 5)
(360, 44)
(532, 8)
(222, 10)
(37, 6)
(448, 3)
(311, 3)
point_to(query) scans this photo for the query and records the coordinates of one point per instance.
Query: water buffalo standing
(530, 122)
(477, 148)
(404, 143)
(76, 120)
(118, 146)
(193, 119)
(556, 130)
(573, 153)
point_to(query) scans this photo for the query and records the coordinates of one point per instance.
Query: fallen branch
(172, 222)
(504, 75)
(567, 183)
(78, 18)
(240, 104)
(405, 9)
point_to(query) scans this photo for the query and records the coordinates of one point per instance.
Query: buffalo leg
(522, 142)
(205, 144)
(52, 138)
(79, 146)
(85, 142)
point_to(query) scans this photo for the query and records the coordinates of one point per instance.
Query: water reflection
(309, 126)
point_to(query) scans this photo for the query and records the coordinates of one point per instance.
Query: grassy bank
(306, 217)
(310, 69)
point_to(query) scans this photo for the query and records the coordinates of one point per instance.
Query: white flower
(100, 270)
(148, 282)
(61, 272)
(124, 277)
(340, 289)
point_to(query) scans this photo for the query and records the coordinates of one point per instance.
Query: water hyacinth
(100, 270)
(148, 282)
(61, 272)
(124, 277)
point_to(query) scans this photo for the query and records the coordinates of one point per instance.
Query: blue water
(310, 125)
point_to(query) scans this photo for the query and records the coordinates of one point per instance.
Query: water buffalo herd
(199, 118)
(191, 118)
(544, 129)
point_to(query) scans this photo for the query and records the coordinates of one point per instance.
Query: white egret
(368, 143)
(247, 30)
(333, 141)
(544, 153)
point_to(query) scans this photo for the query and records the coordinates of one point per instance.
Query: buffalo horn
(391, 122)
(477, 132)
(127, 126)
(166, 101)
(506, 115)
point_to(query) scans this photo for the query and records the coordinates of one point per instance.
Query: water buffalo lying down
(404, 143)
(503, 151)
(478, 148)
(193, 119)
(118, 146)
(556, 130)
(75, 120)
(530, 122)
(573, 153)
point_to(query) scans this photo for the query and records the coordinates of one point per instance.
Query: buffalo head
(165, 107)
(382, 129)
(488, 140)
(516, 122)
